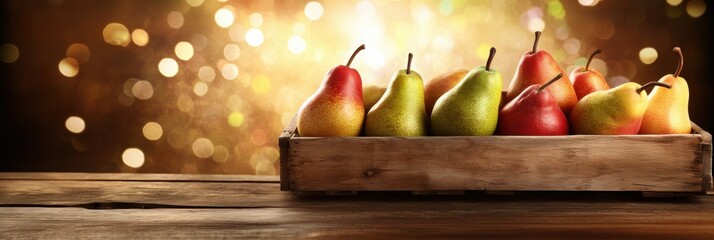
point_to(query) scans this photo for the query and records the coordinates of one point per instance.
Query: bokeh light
(184, 50)
(254, 37)
(588, 3)
(696, 8)
(68, 67)
(116, 34)
(74, 124)
(648, 55)
(674, 2)
(133, 157)
(235, 119)
(200, 89)
(206, 74)
(296, 44)
(229, 71)
(202, 148)
(256, 20)
(220, 154)
(231, 52)
(79, 52)
(313, 10)
(168, 67)
(152, 131)
(261, 84)
(175, 19)
(142, 89)
(9, 53)
(140, 37)
(194, 3)
(224, 18)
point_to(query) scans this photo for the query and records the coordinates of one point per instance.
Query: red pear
(587, 80)
(537, 67)
(336, 109)
(533, 112)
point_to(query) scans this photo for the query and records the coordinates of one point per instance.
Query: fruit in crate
(440, 85)
(668, 111)
(616, 111)
(533, 112)
(471, 107)
(537, 67)
(400, 111)
(587, 80)
(336, 108)
(370, 95)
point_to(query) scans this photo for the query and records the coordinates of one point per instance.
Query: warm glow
(231, 52)
(133, 157)
(313, 10)
(296, 44)
(194, 3)
(224, 18)
(229, 71)
(648, 55)
(254, 37)
(220, 154)
(9, 53)
(184, 51)
(79, 52)
(588, 3)
(168, 67)
(236, 119)
(175, 20)
(674, 2)
(200, 89)
(140, 37)
(696, 8)
(202, 148)
(152, 131)
(261, 84)
(256, 20)
(116, 34)
(74, 124)
(69, 67)
(142, 89)
(206, 74)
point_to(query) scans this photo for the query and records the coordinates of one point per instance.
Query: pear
(371, 94)
(615, 111)
(471, 107)
(537, 67)
(587, 80)
(667, 112)
(400, 111)
(533, 112)
(440, 85)
(336, 108)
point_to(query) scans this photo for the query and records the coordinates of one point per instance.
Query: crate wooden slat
(676, 163)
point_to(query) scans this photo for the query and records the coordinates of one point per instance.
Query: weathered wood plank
(284, 144)
(707, 182)
(135, 177)
(523, 221)
(579, 162)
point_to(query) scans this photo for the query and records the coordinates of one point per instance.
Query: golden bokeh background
(206, 86)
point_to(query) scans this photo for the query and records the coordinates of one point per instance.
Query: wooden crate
(652, 164)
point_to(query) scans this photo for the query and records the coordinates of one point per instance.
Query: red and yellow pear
(534, 112)
(336, 108)
(538, 67)
(668, 109)
(587, 80)
(440, 85)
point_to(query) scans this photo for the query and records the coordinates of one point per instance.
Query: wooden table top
(73, 205)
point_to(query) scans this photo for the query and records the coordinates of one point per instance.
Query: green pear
(471, 107)
(400, 111)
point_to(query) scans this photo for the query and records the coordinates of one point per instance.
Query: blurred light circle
(617, 81)
(648, 55)
(200, 89)
(313, 10)
(588, 3)
(140, 37)
(9, 53)
(572, 46)
(79, 52)
(299, 28)
(220, 154)
(74, 124)
(674, 2)
(535, 24)
(235, 119)
(231, 52)
(168, 67)
(600, 65)
(152, 131)
(202, 148)
(421, 14)
(68, 67)
(184, 103)
(143, 90)
(116, 34)
(206, 74)
(696, 8)
(254, 37)
(199, 42)
(175, 19)
(184, 50)
(256, 20)
(261, 84)
(229, 71)
(296, 44)
(224, 18)
(365, 9)
(133, 157)
(194, 3)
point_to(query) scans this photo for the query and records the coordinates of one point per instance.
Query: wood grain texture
(706, 147)
(284, 144)
(667, 163)
(166, 177)
(193, 209)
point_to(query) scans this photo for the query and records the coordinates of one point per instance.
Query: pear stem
(661, 84)
(409, 63)
(490, 58)
(681, 61)
(596, 52)
(535, 43)
(360, 48)
(556, 78)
